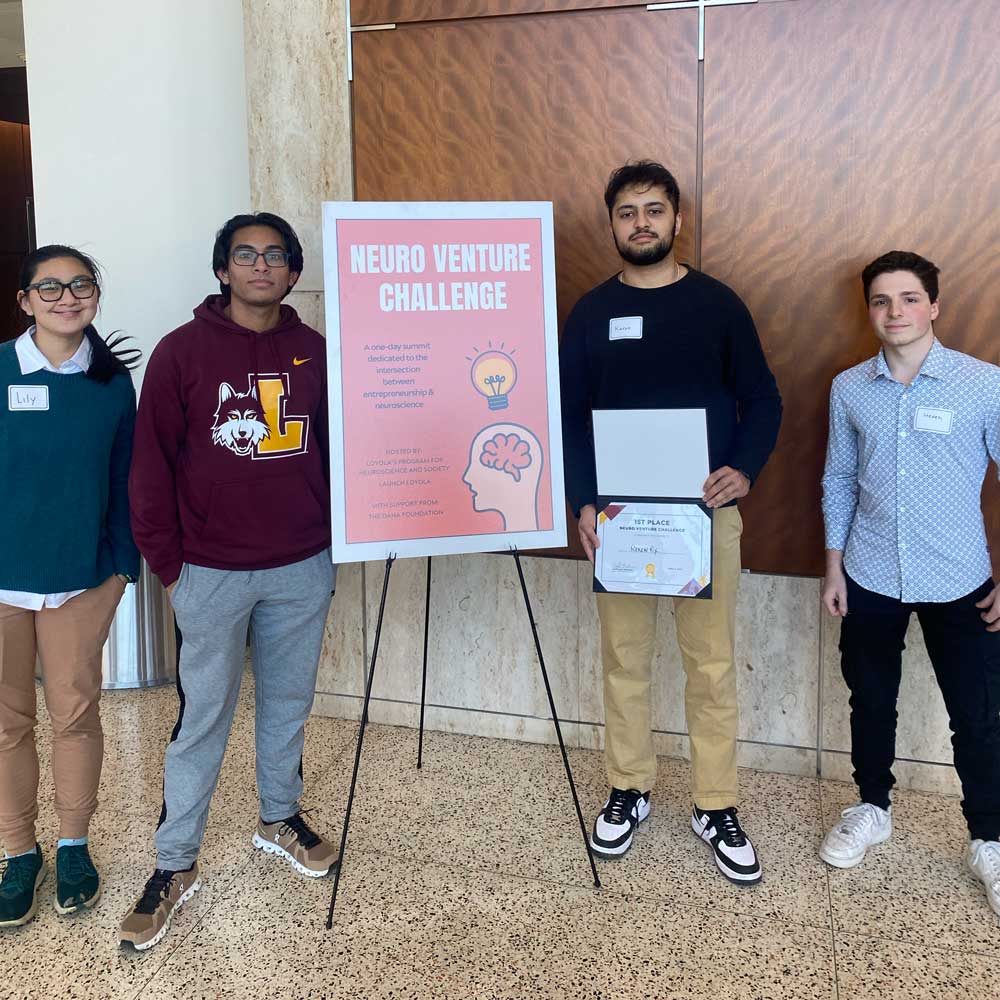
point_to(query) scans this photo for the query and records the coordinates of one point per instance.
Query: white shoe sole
(841, 862)
(269, 847)
(65, 911)
(30, 915)
(146, 945)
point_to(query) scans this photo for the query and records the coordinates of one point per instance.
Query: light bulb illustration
(494, 375)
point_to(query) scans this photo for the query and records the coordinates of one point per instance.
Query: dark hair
(107, 357)
(902, 260)
(224, 243)
(642, 174)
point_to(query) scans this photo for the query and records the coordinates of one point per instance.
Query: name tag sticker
(625, 328)
(27, 397)
(927, 418)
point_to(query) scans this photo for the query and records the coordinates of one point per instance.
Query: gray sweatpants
(285, 611)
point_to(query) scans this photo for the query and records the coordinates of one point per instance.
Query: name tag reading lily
(27, 397)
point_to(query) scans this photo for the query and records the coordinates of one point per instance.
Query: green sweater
(63, 479)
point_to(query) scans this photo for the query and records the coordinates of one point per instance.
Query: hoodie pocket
(262, 520)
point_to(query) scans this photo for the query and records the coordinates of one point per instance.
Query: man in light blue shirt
(911, 434)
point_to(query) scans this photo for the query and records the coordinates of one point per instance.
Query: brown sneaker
(165, 893)
(307, 852)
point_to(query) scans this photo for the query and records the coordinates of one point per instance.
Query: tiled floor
(468, 880)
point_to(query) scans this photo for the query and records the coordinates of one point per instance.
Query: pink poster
(444, 394)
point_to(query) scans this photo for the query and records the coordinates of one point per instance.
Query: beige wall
(483, 677)
(299, 123)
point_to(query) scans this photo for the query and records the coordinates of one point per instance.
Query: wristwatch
(126, 577)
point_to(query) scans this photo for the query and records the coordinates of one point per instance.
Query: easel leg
(361, 739)
(423, 682)
(555, 717)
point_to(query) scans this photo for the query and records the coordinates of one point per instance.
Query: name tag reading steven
(27, 397)
(625, 328)
(927, 418)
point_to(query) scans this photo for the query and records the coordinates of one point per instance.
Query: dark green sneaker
(77, 881)
(19, 884)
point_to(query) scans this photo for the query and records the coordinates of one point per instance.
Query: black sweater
(699, 348)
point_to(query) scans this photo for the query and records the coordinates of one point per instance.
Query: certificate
(654, 547)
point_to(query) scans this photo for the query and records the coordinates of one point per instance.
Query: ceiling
(11, 34)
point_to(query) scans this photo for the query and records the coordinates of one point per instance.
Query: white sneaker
(860, 827)
(616, 824)
(733, 850)
(984, 862)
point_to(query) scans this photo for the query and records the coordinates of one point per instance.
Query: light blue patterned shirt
(904, 474)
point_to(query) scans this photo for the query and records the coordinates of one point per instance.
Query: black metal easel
(423, 694)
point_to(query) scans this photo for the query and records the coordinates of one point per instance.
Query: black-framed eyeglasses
(246, 257)
(51, 290)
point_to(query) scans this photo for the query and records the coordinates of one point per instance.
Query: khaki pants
(705, 634)
(69, 642)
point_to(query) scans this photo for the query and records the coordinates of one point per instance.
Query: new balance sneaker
(292, 839)
(734, 853)
(860, 826)
(984, 862)
(77, 883)
(165, 893)
(19, 888)
(617, 822)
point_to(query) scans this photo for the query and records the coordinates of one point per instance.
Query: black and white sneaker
(617, 822)
(734, 854)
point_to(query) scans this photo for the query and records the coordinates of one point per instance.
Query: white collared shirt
(30, 359)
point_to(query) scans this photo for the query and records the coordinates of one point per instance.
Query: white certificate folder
(655, 532)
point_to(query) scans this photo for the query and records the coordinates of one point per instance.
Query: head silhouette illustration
(505, 467)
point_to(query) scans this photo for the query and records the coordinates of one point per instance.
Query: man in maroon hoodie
(230, 506)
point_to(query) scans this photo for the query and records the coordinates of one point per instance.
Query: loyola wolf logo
(239, 424)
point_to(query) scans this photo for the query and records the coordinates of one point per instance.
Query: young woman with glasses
(66, 555)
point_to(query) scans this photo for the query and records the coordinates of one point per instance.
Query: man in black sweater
(660, 334)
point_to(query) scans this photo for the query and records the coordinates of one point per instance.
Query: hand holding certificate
(655, 533)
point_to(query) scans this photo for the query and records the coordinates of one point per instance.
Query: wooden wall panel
(836, 130)
(532, 108)
(14, 95)
(15, 188)
(403, 11)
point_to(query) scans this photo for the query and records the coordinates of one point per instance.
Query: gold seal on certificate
(662, 548)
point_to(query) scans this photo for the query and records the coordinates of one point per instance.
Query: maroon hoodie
(230, 467)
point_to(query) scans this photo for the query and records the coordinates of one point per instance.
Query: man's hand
(835, 584)
(991, 613)
(723, 485)
(588, 530)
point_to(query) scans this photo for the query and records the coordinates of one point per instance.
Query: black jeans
(966, 661)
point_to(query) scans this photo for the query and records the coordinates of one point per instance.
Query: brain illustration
(508, 453)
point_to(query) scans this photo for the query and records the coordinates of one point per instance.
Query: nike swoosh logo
(300, 361)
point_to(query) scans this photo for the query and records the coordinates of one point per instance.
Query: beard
(643, 256)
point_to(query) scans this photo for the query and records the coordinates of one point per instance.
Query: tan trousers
(705, 634)
(69, 642)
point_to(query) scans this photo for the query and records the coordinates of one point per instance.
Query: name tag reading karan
(625, 328)
(27, 397)
(927, 418)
